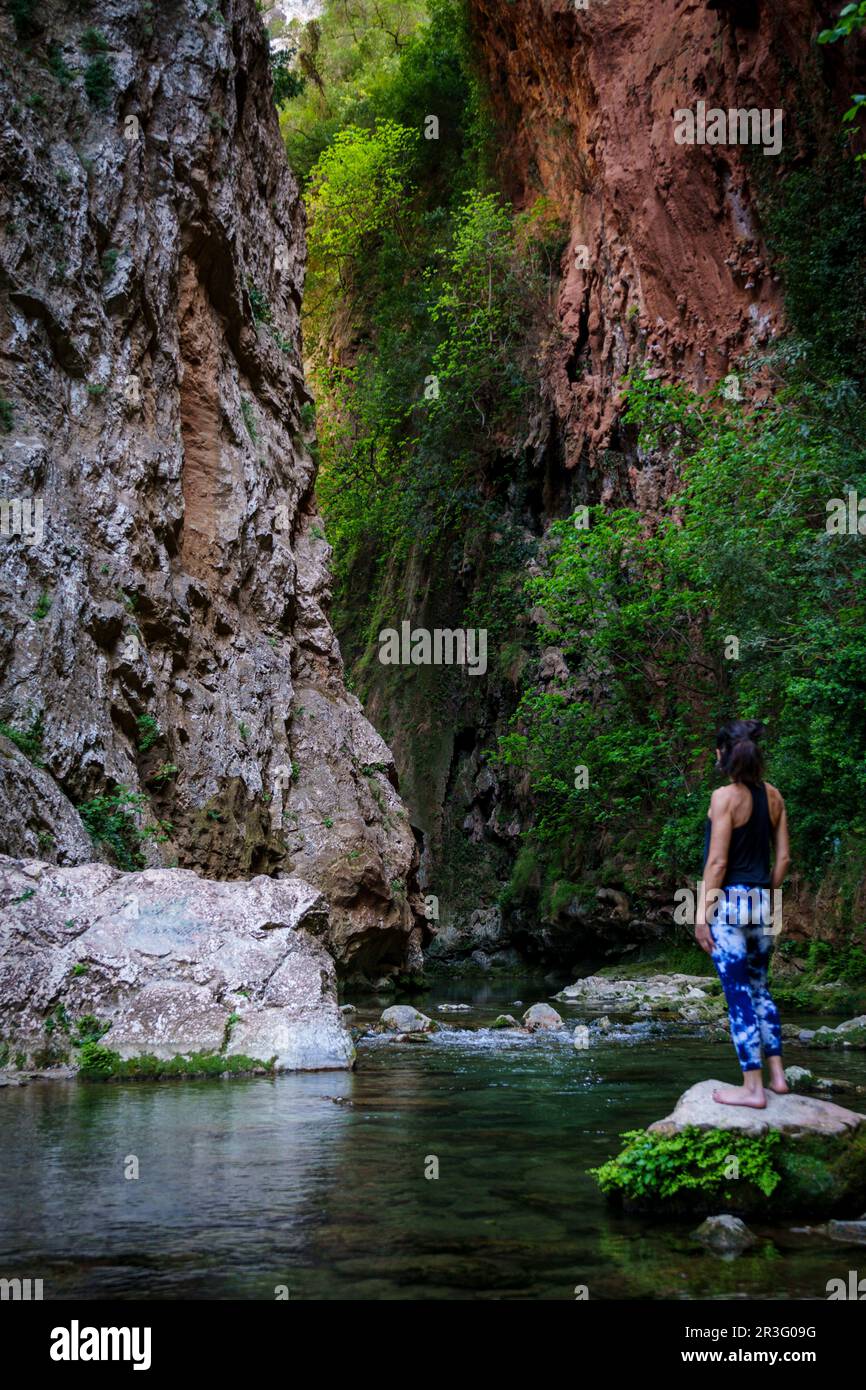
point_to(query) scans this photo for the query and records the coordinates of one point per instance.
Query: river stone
(724, 1235)
(812, 1157)
(402, 1018)
(541, 1016)
(649, 995)
(852, 1033)
(168, 958)
(505, 1021)
(802, 1080)
(790, 1115)
(847, 1232)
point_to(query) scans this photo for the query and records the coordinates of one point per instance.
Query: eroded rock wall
(166, 630)
(676, 273)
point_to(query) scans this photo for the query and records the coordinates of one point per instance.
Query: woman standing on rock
(745, 818)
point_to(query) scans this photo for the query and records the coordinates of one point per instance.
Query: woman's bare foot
(741, 1095)
(777, 1082)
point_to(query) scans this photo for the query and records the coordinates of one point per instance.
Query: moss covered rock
(798, 1157)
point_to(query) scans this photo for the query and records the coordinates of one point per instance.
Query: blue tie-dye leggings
(742, 946)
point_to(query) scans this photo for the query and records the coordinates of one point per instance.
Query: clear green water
(317, 1182)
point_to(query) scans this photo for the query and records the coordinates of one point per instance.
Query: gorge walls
(170, 686)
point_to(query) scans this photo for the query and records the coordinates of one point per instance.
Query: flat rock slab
(597, 991)
(175, 963)
(793, 1115)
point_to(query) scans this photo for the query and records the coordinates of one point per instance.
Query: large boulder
(798, 1156)
(99, 969)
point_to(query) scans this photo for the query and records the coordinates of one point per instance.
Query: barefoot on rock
(740, 1095)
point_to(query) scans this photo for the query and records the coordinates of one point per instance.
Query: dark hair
(741, 759)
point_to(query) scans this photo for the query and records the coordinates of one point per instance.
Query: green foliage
(92, 41)
(148, 731)
(99, 82)
(642, 612)
(288, 82)
(697, 1160)
(851, 19)
(249, 418)
(43, 607)
(815, 221)
(28, 741)
(110, 822)
(164, 773)
(260, 306)
(359, 189)
(438, 285)
(96, 1063)
(7, 417)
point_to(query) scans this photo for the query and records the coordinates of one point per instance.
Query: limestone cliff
(163, 628)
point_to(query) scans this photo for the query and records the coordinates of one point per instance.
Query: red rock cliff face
(677, 274)
(169, 628)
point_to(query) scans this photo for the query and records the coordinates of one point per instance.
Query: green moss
(100, 1064)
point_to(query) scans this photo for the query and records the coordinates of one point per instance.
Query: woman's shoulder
(775, 799)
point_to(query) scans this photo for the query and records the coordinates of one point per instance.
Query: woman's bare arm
(781, 848)
(722, 822)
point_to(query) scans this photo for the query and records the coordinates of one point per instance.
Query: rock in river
(725, 1235)
(799, 1156)
(402, 1018)
(100, 969)
(541, 1016)
(652, 994)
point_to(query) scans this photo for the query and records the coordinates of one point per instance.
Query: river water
(313, 1186)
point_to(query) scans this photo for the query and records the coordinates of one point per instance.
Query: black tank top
(749, 850)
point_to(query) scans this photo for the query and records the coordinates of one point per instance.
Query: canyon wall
(666, 266)
(163, 570)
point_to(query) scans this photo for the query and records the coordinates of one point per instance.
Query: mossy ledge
(99, 1063)
(699, 1171)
